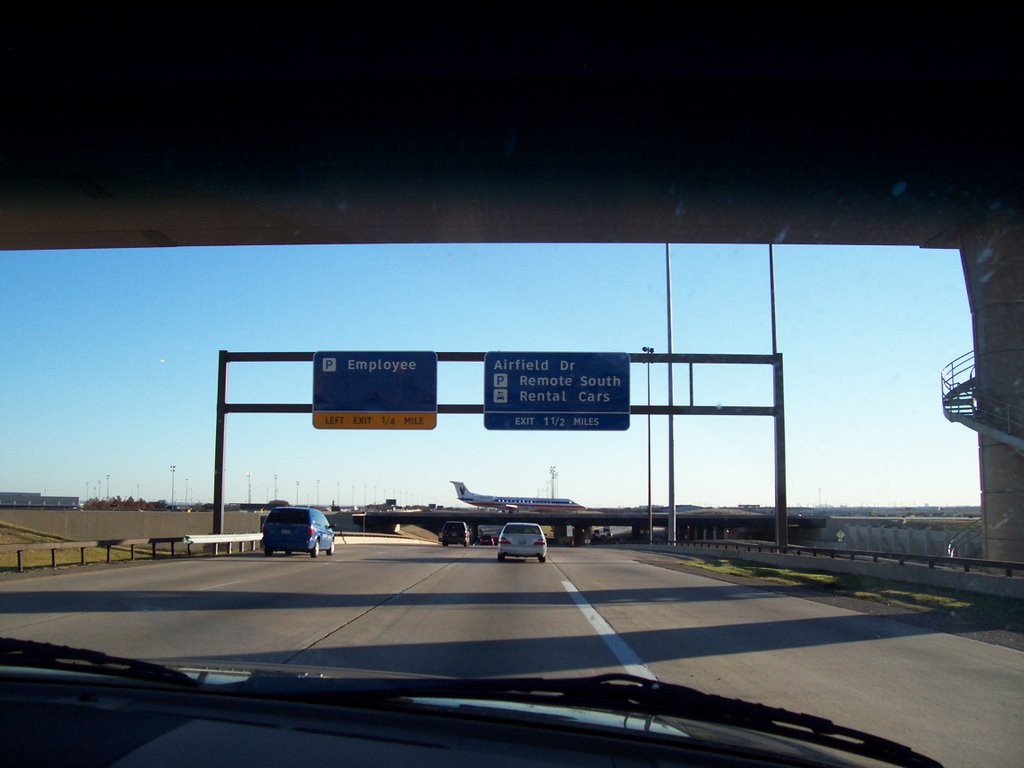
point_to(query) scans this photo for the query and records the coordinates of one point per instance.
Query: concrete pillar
(993, 260)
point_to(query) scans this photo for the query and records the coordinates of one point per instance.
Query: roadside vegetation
(42, 558)
(968, 608)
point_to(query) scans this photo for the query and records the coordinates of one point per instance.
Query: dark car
(454, 532)
(487, 540)
(297, 529)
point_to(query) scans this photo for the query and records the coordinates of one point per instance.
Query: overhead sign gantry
(573, 391)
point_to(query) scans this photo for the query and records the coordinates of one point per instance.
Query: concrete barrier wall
(91, 524)
(901, 536)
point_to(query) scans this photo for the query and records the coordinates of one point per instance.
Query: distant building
(18, 500)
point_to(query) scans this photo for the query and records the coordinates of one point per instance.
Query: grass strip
(39, 559)
(1006, 612)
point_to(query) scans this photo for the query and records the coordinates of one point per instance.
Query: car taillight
(538, 542)
(312, 530)
(505, 541)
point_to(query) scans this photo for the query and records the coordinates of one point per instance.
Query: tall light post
(186, 491)
(248, 477)
(108, 486)
(275, 486)
(671, 530)
(172, 485)
(650, 508)
(297, 493)
(318, 493)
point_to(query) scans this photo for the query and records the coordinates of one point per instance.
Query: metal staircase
(963, 403)
(968, 541)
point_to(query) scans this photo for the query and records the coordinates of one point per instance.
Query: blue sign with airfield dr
(556, 390)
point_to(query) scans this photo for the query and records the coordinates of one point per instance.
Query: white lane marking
(626, 656)
(222, 584)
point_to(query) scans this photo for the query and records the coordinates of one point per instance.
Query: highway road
(452, 611)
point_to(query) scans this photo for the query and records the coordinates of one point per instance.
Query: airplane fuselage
(521, 503)
(512, 502)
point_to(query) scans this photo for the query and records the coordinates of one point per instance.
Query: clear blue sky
(110, 367)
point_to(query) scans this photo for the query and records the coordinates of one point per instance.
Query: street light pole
(671, 530)
(650, 508)
(172, 486)
(108, 486)
(248, 477)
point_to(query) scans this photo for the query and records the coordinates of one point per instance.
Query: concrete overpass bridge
(690, 525)
(849, 126)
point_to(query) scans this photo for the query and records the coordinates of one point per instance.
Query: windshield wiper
(28, 653)
(639, 694)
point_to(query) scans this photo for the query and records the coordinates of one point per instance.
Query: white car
(522, 540)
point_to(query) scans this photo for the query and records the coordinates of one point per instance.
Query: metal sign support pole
(218, 460)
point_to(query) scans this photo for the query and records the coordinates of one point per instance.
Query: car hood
(606, 704)
(611, 705)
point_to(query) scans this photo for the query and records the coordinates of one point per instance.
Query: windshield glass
(870, 458)
(724, 310)
(521, 528)
(288, 516)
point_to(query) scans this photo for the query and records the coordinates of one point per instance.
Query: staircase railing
(963, 403)
(967, 542)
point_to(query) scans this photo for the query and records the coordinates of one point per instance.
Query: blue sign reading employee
(556, 390)
(375, 390)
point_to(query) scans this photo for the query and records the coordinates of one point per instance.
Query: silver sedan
(522, 540)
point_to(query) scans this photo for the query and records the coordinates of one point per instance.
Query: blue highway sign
(556, 390)
(375, 390)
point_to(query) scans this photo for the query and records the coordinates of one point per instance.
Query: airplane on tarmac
(511, 502)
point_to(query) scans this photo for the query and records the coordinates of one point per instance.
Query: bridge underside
(689, 526)
(841, 127)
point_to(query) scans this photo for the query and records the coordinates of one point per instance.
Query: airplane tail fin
(460, 488)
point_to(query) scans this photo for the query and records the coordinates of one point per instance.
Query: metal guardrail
(107, 544)
(186, 541)
(223, 538)
(954, 563)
